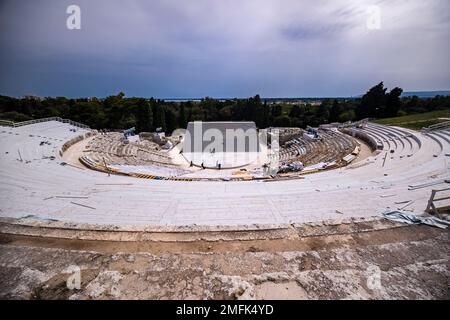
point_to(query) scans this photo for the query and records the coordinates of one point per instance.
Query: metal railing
(431, 207)
(6, 123)
(350, 124)
(24, 123)
(438, 126)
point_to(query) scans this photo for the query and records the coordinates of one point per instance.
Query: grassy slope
(417, 121)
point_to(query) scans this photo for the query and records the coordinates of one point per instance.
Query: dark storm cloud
(223, 48)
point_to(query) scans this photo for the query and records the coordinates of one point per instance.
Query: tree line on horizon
(147, 115)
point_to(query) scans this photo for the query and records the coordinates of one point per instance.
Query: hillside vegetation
(418, 121)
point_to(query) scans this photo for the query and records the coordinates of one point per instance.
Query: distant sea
(420, 94)
(425, 94)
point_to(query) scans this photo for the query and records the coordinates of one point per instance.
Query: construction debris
(113, 184)
(384, 160)
(404, 217)
(71, 197)
(82, 205)
(425, 185)
(40, 218)
(406, 205)
(402, 202)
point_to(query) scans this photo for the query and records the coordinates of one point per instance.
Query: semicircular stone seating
(329, 147)
(37, 183)
(442, 138)
(110, 148)
(395, 141)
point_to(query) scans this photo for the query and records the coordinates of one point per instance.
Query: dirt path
(364, 153)
(314, 242)
(75, 151)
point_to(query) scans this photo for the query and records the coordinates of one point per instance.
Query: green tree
(159, 117)
(323, 112)
(373, 102)
(282, 121)
(266, 117)
(296, 112)
(348, 115)
(170, 120)
(276, 111)
(393, 102)
(182, 118)
(335, 111)
(144, 116)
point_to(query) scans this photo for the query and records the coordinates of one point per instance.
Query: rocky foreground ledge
(371, 259)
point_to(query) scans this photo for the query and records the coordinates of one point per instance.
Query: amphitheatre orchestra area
(56, 170)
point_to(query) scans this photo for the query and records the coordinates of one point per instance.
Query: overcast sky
(222, 48)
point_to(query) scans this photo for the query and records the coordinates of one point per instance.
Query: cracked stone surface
(417, 269)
